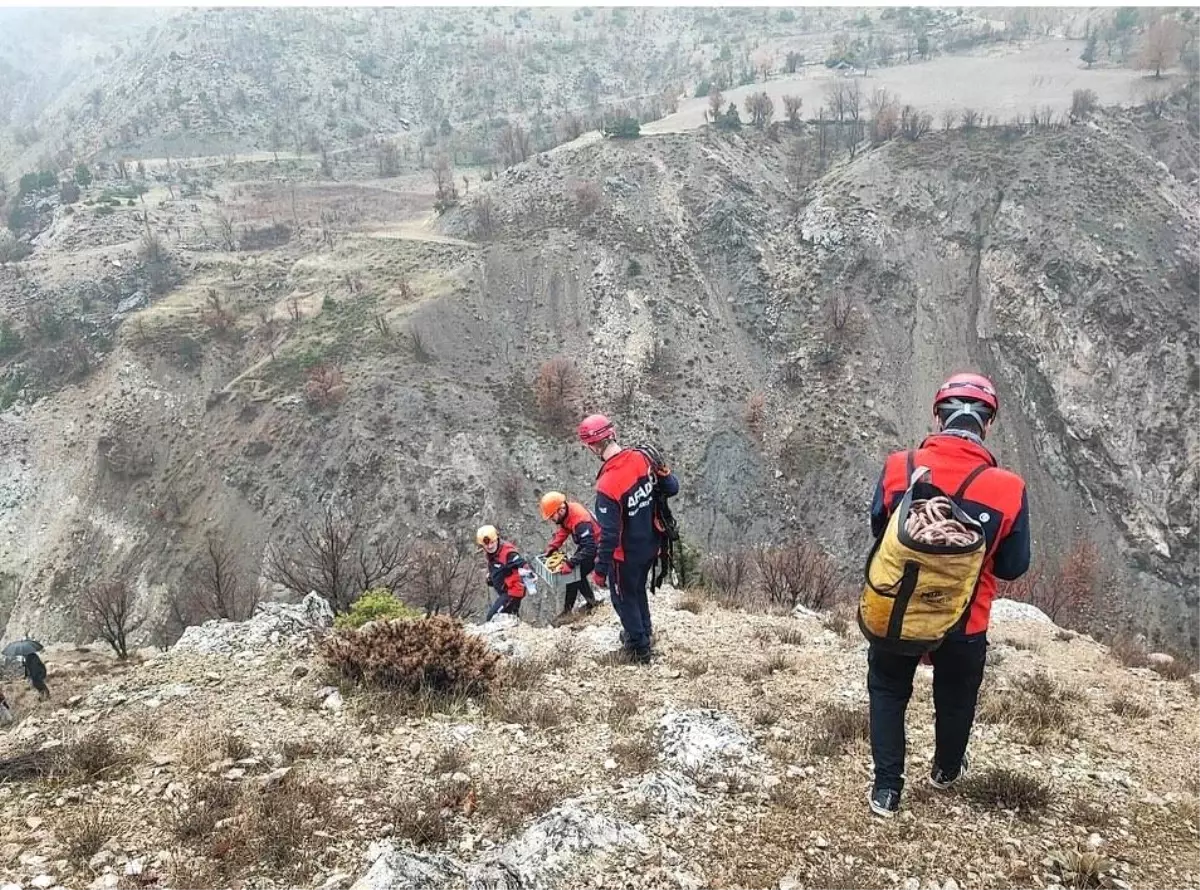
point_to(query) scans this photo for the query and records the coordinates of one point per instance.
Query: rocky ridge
(714, 767)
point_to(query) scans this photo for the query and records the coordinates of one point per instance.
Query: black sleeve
(585, 543)
(1014, 553)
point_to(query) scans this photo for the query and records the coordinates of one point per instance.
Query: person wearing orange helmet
(504, 565)
(632, 532)
(576, 522)
(964, 409)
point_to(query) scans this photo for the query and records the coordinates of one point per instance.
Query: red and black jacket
(503, 574)
(995, 497)
(582, 528)
(625, 491)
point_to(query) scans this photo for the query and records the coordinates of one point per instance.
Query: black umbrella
(21, 648)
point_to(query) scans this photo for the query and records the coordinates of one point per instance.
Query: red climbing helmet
(968, 388)
(595, 428)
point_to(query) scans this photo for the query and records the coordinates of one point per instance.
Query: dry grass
(837, 727)
(765, 716)
(83, 831)
(839, 622)
(690, 602)
(521, 708)
(1128, 652)
(420, 821)
(196, 816)
(1130, 709)
(791, 636)
(93, 756)
(1023, 645)
(564, 654)
(637, 754)
(623, 706)
(235, 747)
(1005, 789)
(772, 664)
(695, 667)
(509, 805)
(452, 759)
(1037, 704)
(1179, 669)
(1092, 814)
(525, 673)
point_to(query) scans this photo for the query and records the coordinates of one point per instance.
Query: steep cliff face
(689, 278)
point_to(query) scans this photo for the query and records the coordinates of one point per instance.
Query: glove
(565, 568)
(548, 551)
(599, 580)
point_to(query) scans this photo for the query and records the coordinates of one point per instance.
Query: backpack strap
(910, 466)
(971, 477)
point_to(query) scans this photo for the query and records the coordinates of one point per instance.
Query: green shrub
(376, 605)
(623, 128)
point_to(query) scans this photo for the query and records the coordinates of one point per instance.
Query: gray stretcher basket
(552, 582)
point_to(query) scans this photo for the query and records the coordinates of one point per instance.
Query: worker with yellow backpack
(576, 522)
(947, 523)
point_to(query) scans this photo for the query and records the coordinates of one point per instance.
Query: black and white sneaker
(885, 802)
(941, 780)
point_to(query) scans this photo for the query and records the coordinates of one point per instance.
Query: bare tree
(949, 119)
(443, 580)
(228, 237)
(218, 585)
(884, 50)
(1042, 117)
(1083, 103)
(885, 116)
(1156, 99)
(837, 93)
(760, 108)
(854, 105)
(446, 194)
(513, 144)
(108, 612)
(715, 101)
(335, 560)
(799, 573)
(388, 158)
(1160, 46)
(914, 124)
(970, 119)
(276, 140)
(557, 391)
(791, 107)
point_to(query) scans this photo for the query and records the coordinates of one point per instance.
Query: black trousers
(582, 586)
(957, 672)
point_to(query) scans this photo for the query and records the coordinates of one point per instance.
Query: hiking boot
(885, 802)
(640, 656)
(941, 780)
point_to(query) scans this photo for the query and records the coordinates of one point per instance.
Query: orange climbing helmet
(551, 503)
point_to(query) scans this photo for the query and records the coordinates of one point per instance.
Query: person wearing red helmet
(631, 531)
(964, 410)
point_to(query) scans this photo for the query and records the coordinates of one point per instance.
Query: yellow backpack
(922, 571)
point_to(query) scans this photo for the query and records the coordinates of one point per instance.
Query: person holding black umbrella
(35, 668)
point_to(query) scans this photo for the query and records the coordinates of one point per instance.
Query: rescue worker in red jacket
(631, 534)
(576, 522)
(964, 409)
(504, 566)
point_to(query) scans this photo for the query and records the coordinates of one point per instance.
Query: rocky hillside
(217, 82)
(776, 330)
(737, 760)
